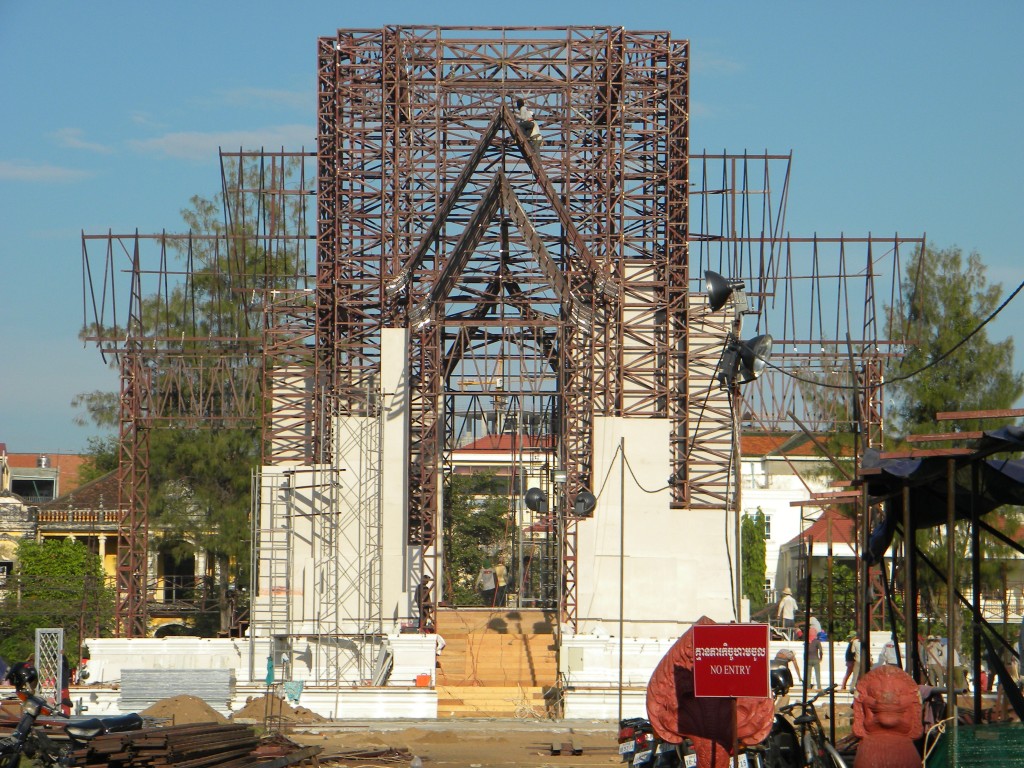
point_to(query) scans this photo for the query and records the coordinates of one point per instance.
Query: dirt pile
(184, 709)
(261, 708)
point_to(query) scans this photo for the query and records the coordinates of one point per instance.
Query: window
(34, 490)
(769, 596)
(767, 527)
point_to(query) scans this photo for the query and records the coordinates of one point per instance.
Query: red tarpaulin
(676, 713)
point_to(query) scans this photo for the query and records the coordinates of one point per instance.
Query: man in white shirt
(787, 612)
(524, 116)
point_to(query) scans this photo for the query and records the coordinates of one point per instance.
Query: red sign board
(730, 660)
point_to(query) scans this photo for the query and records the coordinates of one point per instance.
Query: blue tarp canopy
(1000, 482)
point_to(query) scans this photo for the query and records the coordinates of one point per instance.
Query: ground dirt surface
(452, 743)
(463, 743)
(456, 743)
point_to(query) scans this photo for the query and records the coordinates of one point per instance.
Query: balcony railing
(78, 517)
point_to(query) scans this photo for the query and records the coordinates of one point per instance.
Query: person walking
(933, 655)
(940, 659)
(814, 656)
(424, 602)
(813, 625)
(887, 655)
(486, 584)
(786, 612)
(852, 661)
(783, 659)
(501, 584)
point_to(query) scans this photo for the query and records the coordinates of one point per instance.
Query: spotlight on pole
(536, 500)
(584, 504)
(744, 361)
(720, 289)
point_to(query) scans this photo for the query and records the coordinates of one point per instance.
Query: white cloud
(701, 109)
(709, 63)
(38, 172)
(144, 119)
(241, 97)
(195, 145)
(72, 138)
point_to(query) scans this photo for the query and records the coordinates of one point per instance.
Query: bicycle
(818, 751)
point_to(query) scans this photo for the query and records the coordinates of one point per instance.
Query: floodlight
(419, 317)
(745, 359)
(536, 500)
(754, 356)
(584, 504)
(720, 289)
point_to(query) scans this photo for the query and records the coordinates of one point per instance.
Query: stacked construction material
(141, 688)
(203, 745)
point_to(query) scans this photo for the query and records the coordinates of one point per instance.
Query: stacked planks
(200, 745)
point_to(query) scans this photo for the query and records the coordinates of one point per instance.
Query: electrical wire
(905, 376)
(729, 501)
(608, 474)
(637, 482)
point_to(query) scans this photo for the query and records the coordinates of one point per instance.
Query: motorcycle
(638, 745)
(28, 741)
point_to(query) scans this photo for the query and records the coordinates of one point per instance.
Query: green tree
(949, 297)
(203, 497)
(477, 521)
(842, 609)
(57, 583)
(101, 457)
(755, 563)
(199, 467)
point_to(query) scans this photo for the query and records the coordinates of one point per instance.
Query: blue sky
(902, 117)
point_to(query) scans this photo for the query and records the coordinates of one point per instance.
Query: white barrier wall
(332, 703)
(590, 667)
(108, 656)
(412, 655)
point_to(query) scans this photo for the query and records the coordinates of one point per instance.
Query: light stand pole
(734, 395)
(742, 361)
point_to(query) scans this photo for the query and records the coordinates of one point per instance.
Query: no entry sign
(730, 660)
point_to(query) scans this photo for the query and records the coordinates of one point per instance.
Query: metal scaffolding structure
(515, 195)
(525, 202)
(197, 324)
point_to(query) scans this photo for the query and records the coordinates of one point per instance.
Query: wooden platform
(495, 701)
(496, 663)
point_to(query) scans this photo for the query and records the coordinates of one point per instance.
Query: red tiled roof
(780, 444)
(100, 493)
(507, 443)
(842, 529)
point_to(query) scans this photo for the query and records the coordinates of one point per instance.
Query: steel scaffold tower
(559, 274)
(564, 257)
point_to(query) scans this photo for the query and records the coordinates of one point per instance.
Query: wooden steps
(499, 664)
(451, 621)
(495, 701)
(502, 660)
